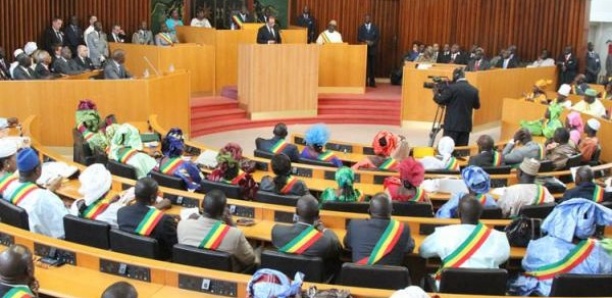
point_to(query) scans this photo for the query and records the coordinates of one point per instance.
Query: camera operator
(459, 98)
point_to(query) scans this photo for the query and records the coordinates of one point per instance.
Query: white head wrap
(410, 292)
(7, 148)
(446, 146)
(30, 48)
(95, 182)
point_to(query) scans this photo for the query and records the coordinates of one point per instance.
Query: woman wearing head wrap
(545, 127)
(406, 187)
(316, 137)
(567, 247)
(126, 147)
(573, 122)
(345, 177)
(173, 163)
(8, 158)
(233, 169)
(384, 144)
(97, 203)
(446, 160)
(89, 125)
(478, 183)
(539, 92)
(283, 183)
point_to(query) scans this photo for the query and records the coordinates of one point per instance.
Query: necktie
(59, 36)
(368, 27)
(272, 32)
(477, 65)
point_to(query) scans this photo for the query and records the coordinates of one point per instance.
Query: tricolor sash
(388, 164)
(302, 242)
(215, 236)
(171, 165)
(326, 156)
(540, 152)
(574, 89)
(166, 37)
(419, 195)
(452, 164)
(598, 194)
(19, 292)
(325, 37)
(386, 243)
(126, 155)
(291, 181)
(539, 197)
(361, 197)
(238, 177)
(22, 192)
(482, 198)
(149, 222)
(467, 249)
(497, 160)
(97, 208)
(569, 262)
(87, 134)
(279, 146)
(237, 21)
(5, 181)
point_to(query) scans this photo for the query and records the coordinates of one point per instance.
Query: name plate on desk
(331, 175)
(302, 172)
(286, 217)
(187, 202)
(125, 270)
(43, 250)
(207, 285)
(6, 239)
(339, 147)
(242, 211)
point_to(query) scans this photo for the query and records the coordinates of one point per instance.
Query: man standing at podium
(368, 33)
(268, 34)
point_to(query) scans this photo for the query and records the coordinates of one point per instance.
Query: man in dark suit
(23, 70)
(479, 62)
(129, 218)
(278, 143)
(269, 33)
(117, 35)
(53, 35)
(568, 66)
(369, 34)
(62, 64)
(238, 18)
(4, 66)
(73, 34)
(593, 64)
(306, 20)
(456, 56)
(17, 272)
(362, 235)
(506, 61)
(81, 62)
(460, 98)
(487, 156)
(326, 247)
(445, 54)
(115, 68)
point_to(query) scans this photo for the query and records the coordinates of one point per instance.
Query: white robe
(596, 109)
(332, 37)
(109, 215)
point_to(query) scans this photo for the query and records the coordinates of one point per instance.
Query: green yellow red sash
(497, 161)
(419, 195)
(388, 164)
(539, 197)
(166, 37)
(215, 236)
(467, 249)
(279, 146)
(540, 152)
(482, 198)
(326, 156)
(291, 181)
(149, 222)
(452, 164)
(598, 194)
(386, 243)
(574, 89)
(22, 192)
(302, 242)
(171, 166)
(19, 292)
(237, 21)
(569, 262)
(97, 208)
(361, 197)
(325, 37)
(87, 135)
(125, 156)
(5, 181)
(237, 179)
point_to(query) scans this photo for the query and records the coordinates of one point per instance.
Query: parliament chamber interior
(305, 148)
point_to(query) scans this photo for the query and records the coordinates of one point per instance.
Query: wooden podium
(278, 81)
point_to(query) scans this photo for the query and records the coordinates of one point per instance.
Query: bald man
(115, 68)
(363, 235)
(487, 156)
(17, 272)
(586, 188)
(120, 289)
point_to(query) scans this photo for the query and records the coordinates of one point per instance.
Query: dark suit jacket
(362, 235)
(373, 35)
(50, 39)
(65, 67)
(112, 72)
(483, 159)
(327, 247)
(266, 145)
(484, 65)
(24, 74)
(4, 70)
(264, 35)
(82, 65)
(73, 37)
(584, 190)
(444, 57)
(571, 69)
(129, 217)
(461, 58)
(307, 23)
(460, 99)
(111, 38)
(511, 64)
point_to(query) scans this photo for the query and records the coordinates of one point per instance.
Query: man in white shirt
(330, 35)
(543, 60)
(590, 105)
(92, 20)
(526, 192)
(200, 20)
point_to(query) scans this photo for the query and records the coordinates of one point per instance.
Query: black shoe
(373, 85)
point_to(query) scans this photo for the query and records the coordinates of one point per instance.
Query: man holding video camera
(459, 98)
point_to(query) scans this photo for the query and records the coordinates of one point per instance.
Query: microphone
(151, 65)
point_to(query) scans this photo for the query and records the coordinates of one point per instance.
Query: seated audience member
(406, 187)
(62, 64)
(520, 147)
(268, 283)
(568, 230)
(410, 292)
(82, 62)
(174, 164)
(346, 192)
(145, 220)
(126, 147)
(15, 63)
(543, 60)
(23, 70)
(479, 63)
(526, 191)
(560, 150)
(590, 143)
(607, 93)
(546, 126)
(575, 126)
(446, 161)
(330, 35)
(494, 60)
(488, 156)
(92, 128)
(579, 85)
(478, 183)
(380, 230)
(165, 38)
(384, 144)
(17, 272)
(316, 137)
(278, 144)
(283, 183)
(506, 61)
(427, 56)
(308, 236)
(114, 69)
(8, 158)
(586, 188)
(538, 93)
(143, 36)
(45, 209)
(200, 20)
(214, 229)
(96, 203)
(120, 289)
(173, 20)
(117, 35)
(491, 247)
(4, 66)
(234, 169)
(562, 94)
(590, 105)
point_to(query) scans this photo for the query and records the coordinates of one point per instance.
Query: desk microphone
(151, 65)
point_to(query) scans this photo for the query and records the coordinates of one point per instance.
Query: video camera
(437, 82)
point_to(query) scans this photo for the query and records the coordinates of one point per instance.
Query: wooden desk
(342, 68)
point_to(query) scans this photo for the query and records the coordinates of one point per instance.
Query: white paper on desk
(51, 170)
(499, 192)
(186, 212)
(451, 185)
(208, 159)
